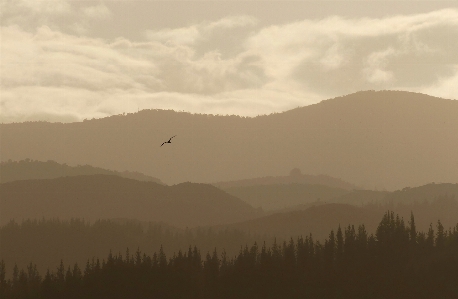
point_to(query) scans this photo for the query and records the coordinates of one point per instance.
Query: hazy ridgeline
(81, 213)
(396, 262)
(31, 169)
(385, 139)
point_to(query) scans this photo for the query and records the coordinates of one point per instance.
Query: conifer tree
(412, 230)
(440, 235)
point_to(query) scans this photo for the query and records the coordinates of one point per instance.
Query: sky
(65, 61)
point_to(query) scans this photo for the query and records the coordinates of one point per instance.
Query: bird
(170, 140)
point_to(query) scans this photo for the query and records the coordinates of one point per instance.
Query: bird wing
(162, 143)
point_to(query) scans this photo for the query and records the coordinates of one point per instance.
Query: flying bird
(170, 140)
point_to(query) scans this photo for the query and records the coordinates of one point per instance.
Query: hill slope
(318, 220)
(425, 193)
(29, 170)
(323, 180)
(102, 197)
(387, 139)
(280, 196)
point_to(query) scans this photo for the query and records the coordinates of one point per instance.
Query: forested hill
(398, 261)
(95, 197)
(317, 220)
(31, 169)
(385, 139)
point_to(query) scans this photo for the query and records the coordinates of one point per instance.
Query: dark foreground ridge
(396, 262)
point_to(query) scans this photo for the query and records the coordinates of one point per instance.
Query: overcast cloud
(56, 66)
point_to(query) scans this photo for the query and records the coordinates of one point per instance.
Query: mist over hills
(317, 220)
(320, 218)
(385, 139)
(94, 197)
(295, 177)
(29, 169)
(280, 196)
(405, 196)
(228, 223)
(47, 241)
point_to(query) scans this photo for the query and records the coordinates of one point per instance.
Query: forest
(396, 262)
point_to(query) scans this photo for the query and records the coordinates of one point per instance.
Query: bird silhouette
(170, 140)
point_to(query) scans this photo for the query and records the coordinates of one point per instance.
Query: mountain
(94, 197)
(384, 139)
(29, 169)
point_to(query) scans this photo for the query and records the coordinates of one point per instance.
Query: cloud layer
(53, 70)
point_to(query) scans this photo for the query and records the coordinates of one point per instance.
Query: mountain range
(384, 139)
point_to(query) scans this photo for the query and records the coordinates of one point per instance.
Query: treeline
(395, 262)
(426, 210)
(47, 241)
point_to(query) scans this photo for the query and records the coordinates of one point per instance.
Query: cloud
(63, 15)
(198, 32)
(376, 64)
(338, 55)
(99, 11)
(446, 87)
(80, 74)
(230, 65)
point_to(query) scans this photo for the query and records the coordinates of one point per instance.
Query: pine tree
(4, 286)
(440, 235)
(340, 244)
(412, 230)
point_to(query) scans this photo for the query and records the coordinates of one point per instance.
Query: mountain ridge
(384, 140)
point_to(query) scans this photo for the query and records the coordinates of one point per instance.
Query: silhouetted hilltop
(385, 139)
(95, 197)
(29, 169)
(280, 196)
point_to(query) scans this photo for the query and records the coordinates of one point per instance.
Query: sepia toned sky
(64, 60)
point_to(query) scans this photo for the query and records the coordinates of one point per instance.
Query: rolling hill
(280, 196)
(317, 220)
(29, 169)
(405, 196)
(384, 139)
(96, 197)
